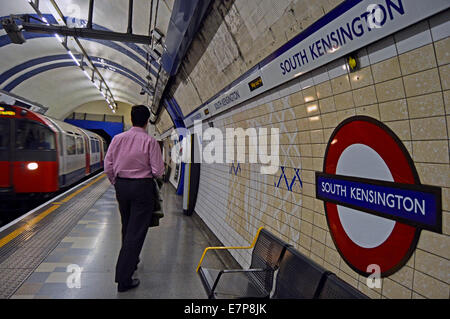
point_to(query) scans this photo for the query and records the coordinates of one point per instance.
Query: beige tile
(329, 120)
(404, 276)
(444, 72)
(442, 48)
(446, 199)
(309, 94)
(373, 293)
(327, 133)
(323, 90)
(347, 278)
(433, 265)
(431, 128)
(434, 243)
(417, 60)
(361, 78)
(393, 290)
(300, 111)
(317, 136)
(346, 269)
(318, 150)
(417, 296)
(307, 215)
(316, 258)
(446, 222)
(431, 151)
(343, 101)
(386, 70)
(390, 90)
(330, 267)
(327, 105)
(332, 257)
(447, 101)
(369, 110)
(365, 96)
(393, 110)
(319, 234)
(422, 82)
(305, 242)
(312, 108)
(426, 105)
(342, 115)
(401, 129)
(434, 174)
(303, 137)
(318, 248)
(340, 84)
(430, 287)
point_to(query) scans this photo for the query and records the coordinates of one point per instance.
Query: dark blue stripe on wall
(34, 72)
(177, 119)
(4, 40)
(112, 128)
(45, 68)
(19, 68)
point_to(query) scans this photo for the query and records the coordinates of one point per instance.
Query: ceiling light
(73, 57)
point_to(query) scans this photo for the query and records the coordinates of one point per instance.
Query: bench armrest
(227, 248)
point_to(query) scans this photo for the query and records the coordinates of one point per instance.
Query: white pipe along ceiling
(63, 72)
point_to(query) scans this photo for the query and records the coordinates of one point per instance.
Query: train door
(6, 153)
(87, 146)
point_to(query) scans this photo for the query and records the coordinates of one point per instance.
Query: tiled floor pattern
(168, 259)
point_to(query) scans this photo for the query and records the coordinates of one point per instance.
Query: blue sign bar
(416, 205)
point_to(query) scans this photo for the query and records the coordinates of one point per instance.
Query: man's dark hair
(139, 115)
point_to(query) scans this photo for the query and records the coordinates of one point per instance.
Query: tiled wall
(404, 81)
(235, 36)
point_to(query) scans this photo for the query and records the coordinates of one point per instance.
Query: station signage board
(374, 202)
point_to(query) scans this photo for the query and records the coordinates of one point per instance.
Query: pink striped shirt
(133, 154)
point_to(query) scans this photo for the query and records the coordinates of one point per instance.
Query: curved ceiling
(41, 69)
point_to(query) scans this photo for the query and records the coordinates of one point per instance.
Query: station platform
(39, 253)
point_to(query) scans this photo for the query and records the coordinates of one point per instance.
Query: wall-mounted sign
(256, 83)
(374, 202)
(347, 28)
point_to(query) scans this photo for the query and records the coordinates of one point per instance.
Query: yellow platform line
(38, 218)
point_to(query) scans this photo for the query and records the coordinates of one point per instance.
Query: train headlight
(32, 166)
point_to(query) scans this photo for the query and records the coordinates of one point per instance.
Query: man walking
(132, 161)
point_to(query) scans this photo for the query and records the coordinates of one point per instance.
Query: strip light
(61, 40)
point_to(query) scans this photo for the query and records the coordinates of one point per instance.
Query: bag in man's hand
(157, 209)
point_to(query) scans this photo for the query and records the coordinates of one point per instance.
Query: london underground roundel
(374, 202)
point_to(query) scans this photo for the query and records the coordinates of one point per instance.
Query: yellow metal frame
(229, 247)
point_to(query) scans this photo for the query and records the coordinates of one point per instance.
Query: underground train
(40, 155)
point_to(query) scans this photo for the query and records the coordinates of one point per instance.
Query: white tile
(440, 25)
(306, 81)
(363, 58)
(320, 75)
(382, 50)
(336, 68)
(413, 37)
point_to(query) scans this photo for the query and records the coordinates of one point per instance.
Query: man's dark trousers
(136, 200)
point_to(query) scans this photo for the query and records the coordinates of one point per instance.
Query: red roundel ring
(395, 251)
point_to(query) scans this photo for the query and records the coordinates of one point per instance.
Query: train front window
(4, 134)
(33, 136)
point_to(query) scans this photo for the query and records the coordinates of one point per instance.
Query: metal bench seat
(255, 282)
(298, 277)
(336, 288)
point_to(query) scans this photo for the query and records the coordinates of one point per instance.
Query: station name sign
(349, 27)
(416, 205)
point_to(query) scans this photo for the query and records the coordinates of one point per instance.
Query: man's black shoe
(133, 284)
